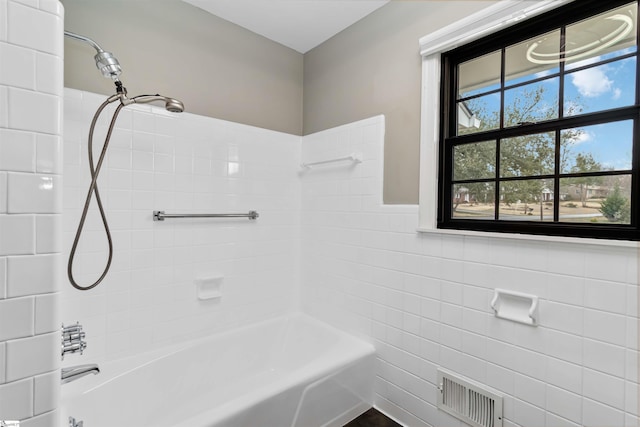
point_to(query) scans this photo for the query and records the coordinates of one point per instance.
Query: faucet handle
(73, 339)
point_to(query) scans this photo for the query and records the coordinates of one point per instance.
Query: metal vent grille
(469, 401)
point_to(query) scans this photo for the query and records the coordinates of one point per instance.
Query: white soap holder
(515, 306)
(208, 287)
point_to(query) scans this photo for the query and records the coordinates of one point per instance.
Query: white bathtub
(289, 371)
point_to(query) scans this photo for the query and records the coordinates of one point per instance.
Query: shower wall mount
(73, 339)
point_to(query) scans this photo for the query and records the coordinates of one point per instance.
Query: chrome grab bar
(161, 216)
(353, 157)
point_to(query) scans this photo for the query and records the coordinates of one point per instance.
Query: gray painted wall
(216, 68)
(374, 67)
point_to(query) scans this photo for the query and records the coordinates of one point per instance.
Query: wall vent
(469, 401)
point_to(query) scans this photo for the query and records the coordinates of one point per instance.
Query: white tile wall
(30, 195)
(178, 163)
(423, 299)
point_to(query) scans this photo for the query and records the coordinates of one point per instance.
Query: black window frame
(524, 30)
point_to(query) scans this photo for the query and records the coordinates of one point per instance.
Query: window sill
(532, 237)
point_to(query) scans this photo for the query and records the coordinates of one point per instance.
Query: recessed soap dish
(515, 306)
(208, 287)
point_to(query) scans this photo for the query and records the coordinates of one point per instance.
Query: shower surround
(178, 164)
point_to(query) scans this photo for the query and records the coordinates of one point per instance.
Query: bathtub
(288, 371)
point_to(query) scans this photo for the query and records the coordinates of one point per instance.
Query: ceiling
(298, 24)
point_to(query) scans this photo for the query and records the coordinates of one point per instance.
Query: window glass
(596, 199)
(474, 161)
(535, 102)
(519, 66)
(601, 87)
(479, 114)
(479, 75)
(528, 155)
(596, 148)
(526, 200)
(474, 201)
(600, 37)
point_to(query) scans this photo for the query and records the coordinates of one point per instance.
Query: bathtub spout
(73, 373)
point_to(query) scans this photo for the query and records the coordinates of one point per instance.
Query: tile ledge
(532, 237)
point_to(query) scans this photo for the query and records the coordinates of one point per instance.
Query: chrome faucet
(73, 373)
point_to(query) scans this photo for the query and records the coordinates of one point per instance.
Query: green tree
(585, 163)
(523, 156)
(616, 207)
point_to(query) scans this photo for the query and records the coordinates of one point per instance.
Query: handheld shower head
(172, 105)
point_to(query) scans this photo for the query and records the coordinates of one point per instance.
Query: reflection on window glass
(531, 103)
(474, 161)
(597, 148)
(479, 75)
(474, 201)
(596, 199)
(527, 200)
(600, 88)
(479, 114)
(518, 66)
(527, 155)
(603, 36)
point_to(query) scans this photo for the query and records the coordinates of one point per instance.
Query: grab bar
(160, 215)
(353, 157)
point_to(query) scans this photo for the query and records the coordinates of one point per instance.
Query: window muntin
(526, 137)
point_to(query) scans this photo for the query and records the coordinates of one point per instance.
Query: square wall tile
(3, 277)
(16, 318)
(46, 392)
(24, 105)
(17, 151)
(48, 154)
(49, 72)
(595, 414)
(3, 20)
(607, 327)
(52, 6)
(16, 400)
(45, 420)
(17, 234)
(47, 318)
(48, 233)
(2, 362)
(18, 66)
(30, 275)
(32, 356)
(31, 193)
(4, 105)
(23, 35)
(3, 192)
(603, 388)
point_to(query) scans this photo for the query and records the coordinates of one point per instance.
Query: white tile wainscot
(30, 207)
(423, 298)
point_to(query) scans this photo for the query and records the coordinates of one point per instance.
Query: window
(539, 126)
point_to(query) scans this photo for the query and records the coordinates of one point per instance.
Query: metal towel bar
(353, 157)
(160, 215)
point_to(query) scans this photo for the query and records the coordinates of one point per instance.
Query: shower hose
(93, 189)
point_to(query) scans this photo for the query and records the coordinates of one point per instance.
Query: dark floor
(373, 418)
